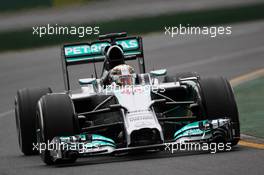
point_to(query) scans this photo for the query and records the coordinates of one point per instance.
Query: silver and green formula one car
(122, 111)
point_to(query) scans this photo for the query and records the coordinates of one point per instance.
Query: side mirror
(159, 72)
(85, 81)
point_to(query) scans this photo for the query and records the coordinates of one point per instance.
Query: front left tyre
(219, 101)
(25, 112)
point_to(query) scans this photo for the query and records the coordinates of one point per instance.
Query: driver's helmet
(123, 75)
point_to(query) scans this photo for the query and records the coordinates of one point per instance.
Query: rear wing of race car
(85, 53)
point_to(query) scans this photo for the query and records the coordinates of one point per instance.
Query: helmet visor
(125, 80)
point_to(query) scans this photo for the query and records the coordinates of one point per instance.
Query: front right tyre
(55, 117)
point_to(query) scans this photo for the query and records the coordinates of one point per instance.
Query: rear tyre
(218, 101)
(56, 117)
(25, 112)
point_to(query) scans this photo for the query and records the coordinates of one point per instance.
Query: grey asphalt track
(230, 56)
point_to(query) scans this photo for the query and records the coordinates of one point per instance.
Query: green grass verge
(24, 39)
(19, 5)
(250, 103)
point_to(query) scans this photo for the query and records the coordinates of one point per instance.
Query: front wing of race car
(85, 145)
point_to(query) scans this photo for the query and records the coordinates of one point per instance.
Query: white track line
(229, 56)
(6, 113)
